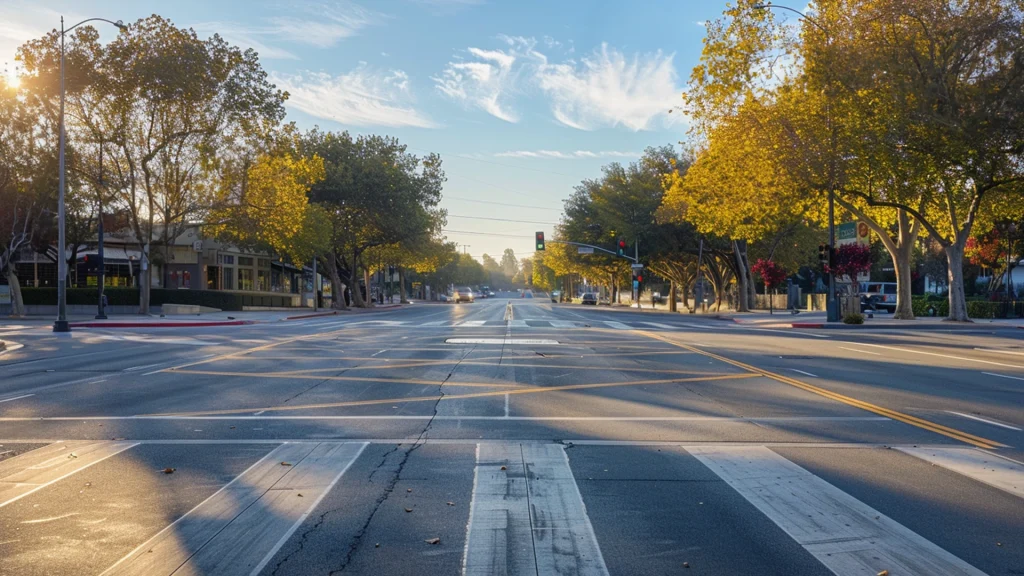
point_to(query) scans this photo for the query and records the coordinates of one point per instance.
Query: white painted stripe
(985, 420)
(843, 533)
(1000, 351)
(528, 518)
(562, 324)
(617, 325)
(859, 351)
(1005, 474)
(1002, 376)
(435, 323)
(660, 325)
(518, 324)
(471, 323)
(503, 341)
(804, 373)
(240, 528)
(934, 354)
(52, 464)
(15, 398)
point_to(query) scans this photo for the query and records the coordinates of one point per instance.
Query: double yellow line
(893, 414)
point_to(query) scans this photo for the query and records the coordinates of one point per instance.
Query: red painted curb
(159, 324)
(807, 325)
(317, 315)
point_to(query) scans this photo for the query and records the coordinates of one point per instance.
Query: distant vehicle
(490, 294)
(884, 291)
(556, 296)
(657, 298)
(444, 298)
(463, 294)
(485, 291)
(590, 298)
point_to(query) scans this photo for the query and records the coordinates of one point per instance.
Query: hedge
(975, 308)
(80, 296)
(229, 301)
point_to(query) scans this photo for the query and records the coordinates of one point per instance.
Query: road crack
(390, 487)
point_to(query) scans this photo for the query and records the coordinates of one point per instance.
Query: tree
(525, 274)
(772, 275)
(162, 103)
(377, 195)
(270, 208)
(851, 260)
(509, 263)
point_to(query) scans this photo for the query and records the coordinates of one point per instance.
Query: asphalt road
(525, 437)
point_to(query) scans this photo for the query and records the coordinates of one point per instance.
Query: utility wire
(502, 204)
(503, 220)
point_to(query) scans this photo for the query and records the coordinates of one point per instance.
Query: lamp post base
(61, 326)
(831, 311)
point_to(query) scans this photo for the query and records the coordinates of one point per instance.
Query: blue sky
(523, 99)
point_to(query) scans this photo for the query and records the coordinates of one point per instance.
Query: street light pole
(61, 324)
(831, 305)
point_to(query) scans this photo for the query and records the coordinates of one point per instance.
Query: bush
(920, 305)
(853, 319)
(80, 296)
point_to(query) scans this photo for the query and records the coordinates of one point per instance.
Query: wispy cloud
(573, 155)
(21, 21)
(489, 80)
(321, 25)
(362, 97)
(603, 89)
(608, 89)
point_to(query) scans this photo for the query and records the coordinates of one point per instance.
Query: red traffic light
(622, 244)
(639, 278)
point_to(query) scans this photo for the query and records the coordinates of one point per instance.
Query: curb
(159, 324)
(316, 315)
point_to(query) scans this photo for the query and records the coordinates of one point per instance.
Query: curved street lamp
(61, 324)
(832, 309)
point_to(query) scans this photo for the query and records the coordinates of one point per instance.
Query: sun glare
(13, 80)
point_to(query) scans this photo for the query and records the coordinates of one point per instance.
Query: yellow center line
(893, 414)
(534, 390)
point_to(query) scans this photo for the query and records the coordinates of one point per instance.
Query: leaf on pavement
(504, 468)
(451, 503)
(285, 463)
(433, 541)
(169, 470)
(883, 573)
(408, 509)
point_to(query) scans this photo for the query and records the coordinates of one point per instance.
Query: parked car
(463, 294)
(590, 298)
(482, 292)
(490, 294)
(556, 296)
(885, 292)
(444, 298)
(657, 298)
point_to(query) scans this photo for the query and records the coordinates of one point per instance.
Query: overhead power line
(522, 236)
(502, 204)
(503, 220)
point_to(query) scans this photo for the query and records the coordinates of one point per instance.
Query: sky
(523, 99)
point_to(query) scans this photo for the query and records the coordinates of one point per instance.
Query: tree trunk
(672, 306)
(742, 279)
(17, 302)
(368, 301)
(145, 281)
(957, 297)
(337, 286)
(401, 286)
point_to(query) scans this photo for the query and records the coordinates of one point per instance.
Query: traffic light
(639, 277)
(622, 247)
(92, 263)
(540, 240)
(823, 254)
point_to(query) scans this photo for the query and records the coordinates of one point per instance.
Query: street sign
(637, 266)
(636, 284)
(585, 250)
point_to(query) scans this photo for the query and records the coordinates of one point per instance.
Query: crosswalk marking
(562, 324)
(527, 515)
(982, 466)
(518, 324)
(471, 323)
(435, 323)
(617, 325)
(239, 528)
(35, 470)
(660, 325)
(843, 533)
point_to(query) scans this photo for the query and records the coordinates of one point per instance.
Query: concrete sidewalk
(222, 318)
(881, 320)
